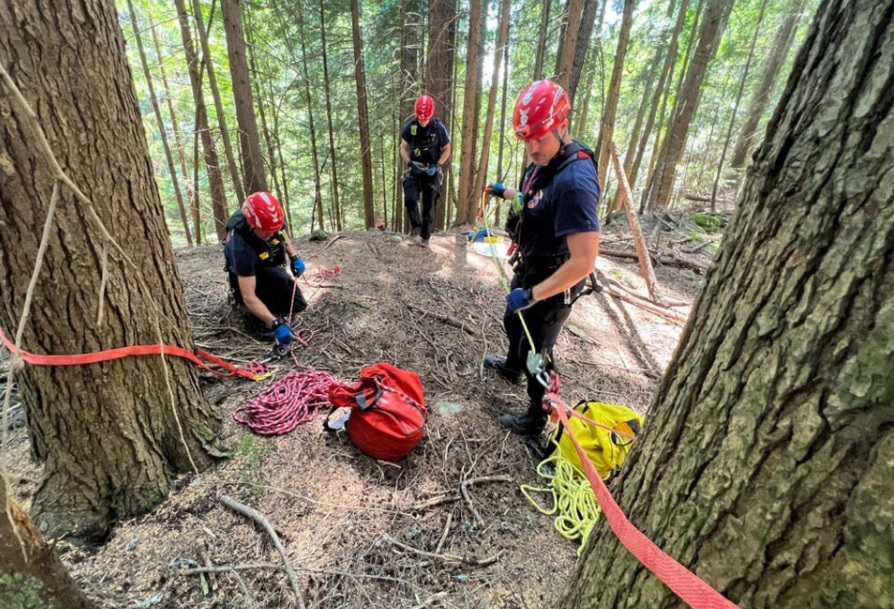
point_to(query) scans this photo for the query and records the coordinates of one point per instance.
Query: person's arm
(252, 302)
(405, 151)
(583, 249)
(445, 154)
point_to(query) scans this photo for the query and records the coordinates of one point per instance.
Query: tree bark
(254, 176)
(212, 166)
(568, 45)
(439, 79)
(31, 574)
(782, 43)
(766, 464)
(716, 16)
(218, 103)
(465, 212)
(582, 47)
(159, 121)
(369, 212)
(541, 39)
(333, 167)
(614, 92)
(109, 434)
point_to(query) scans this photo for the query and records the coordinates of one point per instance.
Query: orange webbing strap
(201, 358)
(694, 591)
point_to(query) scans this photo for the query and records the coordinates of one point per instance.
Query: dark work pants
(544, 320)
(273, 287)
(429, 189)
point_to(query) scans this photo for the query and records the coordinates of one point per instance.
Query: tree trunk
(409, 85)
(315, 156)
(218, 104)
(732, 119)
(333, 167)
(714, 23)
(766, 465)
(614, 92)
(542, 39)
(369, 212)
(465, 212)
(212, 166)
(439, 78)
(159, 121)
(254, 176)
(568, 44)
(31, 574)
(782, 42)
(582, 46)
(110, 433)
(175, 125)
(254, 80)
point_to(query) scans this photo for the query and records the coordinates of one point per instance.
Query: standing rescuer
(424, 147)
(255, 251)
(554, 222)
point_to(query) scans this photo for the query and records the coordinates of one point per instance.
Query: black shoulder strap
(236, 221)
(575, 151)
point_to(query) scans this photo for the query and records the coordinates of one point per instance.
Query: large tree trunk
(111, 434)
(542, 39)
(465, 211)
(212, 166)
(31, 574)
(582, 47)
(254, 175)
(782, 42)
(568, 42)
(410, 18)
(716, 16)
(369, 212)
(766, 465)
(333, 166)
(218, 102)
(439, 80)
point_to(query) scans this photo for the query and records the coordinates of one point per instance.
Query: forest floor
(365, 533)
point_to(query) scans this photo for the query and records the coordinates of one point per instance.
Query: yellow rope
(574, 503)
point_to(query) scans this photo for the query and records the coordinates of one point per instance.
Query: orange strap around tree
(200, 357)
(691, 589)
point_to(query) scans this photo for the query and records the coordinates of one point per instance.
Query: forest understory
(365, 533)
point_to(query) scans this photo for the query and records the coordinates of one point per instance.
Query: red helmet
(263, 212)
(540, 108)
(425, 107)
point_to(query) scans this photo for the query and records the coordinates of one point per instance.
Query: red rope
(323, 274)
(691, 589)
(290, 401)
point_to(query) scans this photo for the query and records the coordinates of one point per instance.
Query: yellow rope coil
(574, 503)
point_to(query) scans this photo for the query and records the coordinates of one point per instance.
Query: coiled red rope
(323, 274)
(292, 400)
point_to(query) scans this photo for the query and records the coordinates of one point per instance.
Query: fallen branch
(443, 319)
(226, 568)
(647, 306)
(448, 558)
(262, 520)
(671, 260)
(464, 489)
(423, 505)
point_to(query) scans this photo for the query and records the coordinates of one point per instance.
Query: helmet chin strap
(563, 140)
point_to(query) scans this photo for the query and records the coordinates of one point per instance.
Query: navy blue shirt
(245, 252)
(426, 143)
(567, 205)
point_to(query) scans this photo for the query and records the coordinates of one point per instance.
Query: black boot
(499, 365)
(523, 424)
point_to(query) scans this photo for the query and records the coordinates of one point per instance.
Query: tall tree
(465, 211)
(159, 121)
(713, 25)
(568, 42)
(216, 97)
(439, 70)
(369, 212)
(782, 43)
(212, 166)
(766, 465)
(542, 38)
(614, 91)
(31, 574)
(110, 435)
(254, 176)
(582, 46)
(333, 167)
(409, 78)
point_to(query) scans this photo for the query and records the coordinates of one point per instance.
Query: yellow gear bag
(606, 449)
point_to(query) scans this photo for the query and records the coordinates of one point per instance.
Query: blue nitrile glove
(496, 189)
(282, 333)
(520, 299)
(432, 170)
(297, 266)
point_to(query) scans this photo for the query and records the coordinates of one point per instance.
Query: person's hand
(496, 189)
(297, 266)
(282, 333)
(520, 299)
(432, 170)
(416, 169)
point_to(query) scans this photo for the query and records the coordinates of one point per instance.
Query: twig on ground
(444, 534)
(464, 489)
(443, 319)
(449, 558)
(424, 505)
(225, 568)
(262, 520)
(429, 601)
